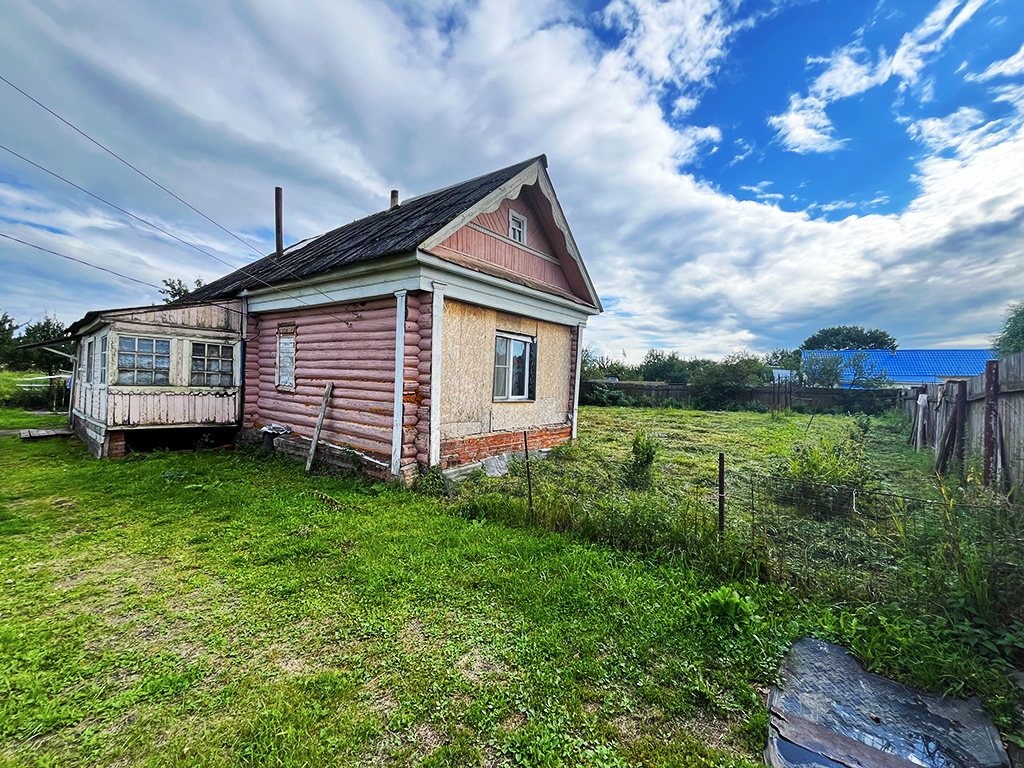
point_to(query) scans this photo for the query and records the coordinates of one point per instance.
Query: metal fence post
(721, 494)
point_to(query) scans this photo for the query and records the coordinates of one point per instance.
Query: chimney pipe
(394, 198)
(278, 221)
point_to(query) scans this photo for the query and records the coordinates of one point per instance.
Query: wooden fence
(980, 419)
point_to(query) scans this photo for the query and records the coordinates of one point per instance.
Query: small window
(286, 357)
(89, 361)
(517, 227)
(103, 360)
(515, 366)
(145, 362)
(212, 365)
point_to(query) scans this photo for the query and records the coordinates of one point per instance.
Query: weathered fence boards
(999, 450)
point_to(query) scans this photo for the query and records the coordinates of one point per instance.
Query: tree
(1011, 338)
(717, 385)
(863, 373)
(823, 370)
(40, 359)
(177, 289)
(667, 366)
(595, 366)
(786, 359)
(849, 337)
(8, 327)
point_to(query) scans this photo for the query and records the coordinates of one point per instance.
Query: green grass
(219, 609)
(16, 418)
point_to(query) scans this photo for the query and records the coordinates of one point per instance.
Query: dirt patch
(513, 722)
(473, 666)
(710, 731)
(411, 638)
(382, 700)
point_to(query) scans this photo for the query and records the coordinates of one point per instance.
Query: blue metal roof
(915, 366)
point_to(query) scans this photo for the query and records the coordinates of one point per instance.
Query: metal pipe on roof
(279, 220)
(394, 198)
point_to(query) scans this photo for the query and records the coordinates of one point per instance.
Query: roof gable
(420, 222)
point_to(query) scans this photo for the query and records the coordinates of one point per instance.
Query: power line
(176, 237)
(158, 184)
(80, 261)
(118, 157)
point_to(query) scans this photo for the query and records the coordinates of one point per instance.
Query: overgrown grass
(221, 609)
(16, 418)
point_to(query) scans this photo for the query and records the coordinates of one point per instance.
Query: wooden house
(154, 368)
(446, 325)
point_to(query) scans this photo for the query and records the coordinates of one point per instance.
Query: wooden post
(529, 480)
(319, 424)
(961, 422)
(991, 413)
(721, 493)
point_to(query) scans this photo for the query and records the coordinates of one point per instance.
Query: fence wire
(862, 544)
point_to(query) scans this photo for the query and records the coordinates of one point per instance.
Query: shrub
(638, 471)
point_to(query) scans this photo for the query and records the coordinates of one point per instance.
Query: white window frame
(89, 355)
(516, 223)
(135, 352)
(284, 376)
(531, 347)
(207, 370)
(104, 350)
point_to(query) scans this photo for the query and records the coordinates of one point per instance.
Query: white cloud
(806, 127)
(1008, 67)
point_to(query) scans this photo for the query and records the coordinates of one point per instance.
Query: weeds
(638, 471)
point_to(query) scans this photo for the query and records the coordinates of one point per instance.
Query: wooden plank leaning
(319, 424)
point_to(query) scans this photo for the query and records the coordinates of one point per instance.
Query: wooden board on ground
(41, 434)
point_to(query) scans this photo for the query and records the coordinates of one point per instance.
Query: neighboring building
(448, 325)
(913, 367)
(146, 368)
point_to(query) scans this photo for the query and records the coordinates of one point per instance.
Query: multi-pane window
(517, 227)
(143, 361)
(212, 365)
(514, 366)
(103, 360)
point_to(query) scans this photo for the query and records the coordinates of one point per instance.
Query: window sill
(514, 400)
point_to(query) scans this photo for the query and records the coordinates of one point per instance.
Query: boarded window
(142, 361)
(212, 365)
(286, 357)
(515, 366)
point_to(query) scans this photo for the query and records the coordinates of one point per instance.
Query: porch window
(143, 361)
(212, 365)
(88, 361)
(515, 366)
(103, 360)
(517, 227)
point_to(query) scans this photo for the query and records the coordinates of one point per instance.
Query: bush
(638, 471)
(601, 395)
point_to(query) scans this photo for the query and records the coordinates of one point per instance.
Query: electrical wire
(80, 261)
(158, 184)
(175, 237)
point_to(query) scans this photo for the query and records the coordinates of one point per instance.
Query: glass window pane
(198, 364)
(226, 365)
(145, 345)
(103, 344)
(125, 361)
(161, 377)
(212, 365)
(501, 351)
(143, 377)
(197, 380)
(162, 362)
(225, 380)
(518, 369)
(163, 347)
(126, 377)
(225, 352)
(126, 343)
(198, 350)
(143, 361)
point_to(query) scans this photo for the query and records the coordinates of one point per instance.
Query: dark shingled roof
(396, 230)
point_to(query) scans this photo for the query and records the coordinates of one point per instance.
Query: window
(143, 361)
(103, 360)
(212, 365)
(515, 366)
(286, 357)
(517, 227)
(88, 361)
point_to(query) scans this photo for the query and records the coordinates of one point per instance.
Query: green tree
(787, 359)
(864, 374)
(177, 288)
(822, 370)
(40, 359)
(8, 354)
(1011, 338)
(715, 386)
(658, 365)
(595, 366)
(849, 337)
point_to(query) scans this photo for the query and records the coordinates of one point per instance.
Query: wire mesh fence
(853, 543)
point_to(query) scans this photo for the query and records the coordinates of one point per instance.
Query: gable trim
(515, 243)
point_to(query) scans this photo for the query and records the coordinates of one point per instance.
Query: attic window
(517, 227)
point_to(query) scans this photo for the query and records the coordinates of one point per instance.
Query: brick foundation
(115, 445)
(465, 450)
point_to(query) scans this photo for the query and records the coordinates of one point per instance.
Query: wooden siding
(418, 327)
(480, 245)
(161, 409)
(352, 345)
(223, 316)
(497, 221)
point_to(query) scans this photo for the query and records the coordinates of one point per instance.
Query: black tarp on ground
(830, 713)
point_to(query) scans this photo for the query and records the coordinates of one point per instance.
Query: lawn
(221, 609)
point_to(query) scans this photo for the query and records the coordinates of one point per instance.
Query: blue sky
(737, 174)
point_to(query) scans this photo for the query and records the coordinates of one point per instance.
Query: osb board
(467, 372)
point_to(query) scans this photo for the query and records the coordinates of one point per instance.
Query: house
(910, 367)
(143, 370)
(448, 325)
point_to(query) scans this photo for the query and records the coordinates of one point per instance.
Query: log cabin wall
(352, 345)
(416, 418)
